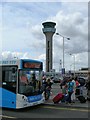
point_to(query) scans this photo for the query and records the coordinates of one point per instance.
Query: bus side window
(8, 79)
(3, 76)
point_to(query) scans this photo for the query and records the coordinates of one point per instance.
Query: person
(24, 79)
(70, 86)
(48, 87)
(39, 86)
(73, 97)
(77, 83)
(63, 86)
(43, 79)
(33, 81)
(43, 83)
(77, 91)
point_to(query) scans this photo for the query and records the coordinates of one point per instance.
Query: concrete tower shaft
(49, 30)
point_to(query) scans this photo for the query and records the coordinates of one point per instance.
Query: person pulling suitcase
(70, 86)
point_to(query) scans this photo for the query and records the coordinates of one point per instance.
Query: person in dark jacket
(48, 88)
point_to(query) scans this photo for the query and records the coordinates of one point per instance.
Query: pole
(70, 67)
(63, 69)
(63, 52)
(74, 65)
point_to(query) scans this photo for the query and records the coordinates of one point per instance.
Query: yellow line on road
(4, 116)
(62, 108)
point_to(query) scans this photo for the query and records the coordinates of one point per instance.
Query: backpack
(70, 86)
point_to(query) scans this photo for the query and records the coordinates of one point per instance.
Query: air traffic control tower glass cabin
(49, 29)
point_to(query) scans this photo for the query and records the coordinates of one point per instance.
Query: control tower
(49, 30)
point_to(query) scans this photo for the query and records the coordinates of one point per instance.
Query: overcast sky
(21, 30)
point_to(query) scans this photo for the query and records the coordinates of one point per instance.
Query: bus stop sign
(63, 70)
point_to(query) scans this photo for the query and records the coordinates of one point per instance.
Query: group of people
(69, 87)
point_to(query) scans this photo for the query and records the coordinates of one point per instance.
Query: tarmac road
(46, 111)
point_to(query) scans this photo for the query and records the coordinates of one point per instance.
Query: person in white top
(73, 97)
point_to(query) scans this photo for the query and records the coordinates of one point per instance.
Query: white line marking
(4, 116)
(60, 108)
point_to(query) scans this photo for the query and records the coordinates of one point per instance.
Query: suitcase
(65, 98)
(81, 99)
(58, 97)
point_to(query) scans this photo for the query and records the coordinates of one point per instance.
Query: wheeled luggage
(65, 98)
(81, 99)
(58, 97)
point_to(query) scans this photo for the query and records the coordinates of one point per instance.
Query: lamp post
(63, 46)
(70, 67)
(74, 63)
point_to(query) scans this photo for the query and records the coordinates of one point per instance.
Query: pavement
(77, 103)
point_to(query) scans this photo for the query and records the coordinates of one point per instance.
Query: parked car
(56, 80)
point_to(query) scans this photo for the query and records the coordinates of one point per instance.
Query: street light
(63, 45)
(74, 63)
(70, 67)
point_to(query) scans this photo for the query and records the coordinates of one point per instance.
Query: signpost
(63, 71)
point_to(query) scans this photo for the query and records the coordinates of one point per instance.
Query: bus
(20, 83)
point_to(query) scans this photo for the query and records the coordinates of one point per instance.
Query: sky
(21, 33)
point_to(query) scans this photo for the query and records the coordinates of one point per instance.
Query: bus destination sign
(31, 65)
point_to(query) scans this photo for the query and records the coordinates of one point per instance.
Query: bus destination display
(31, 65)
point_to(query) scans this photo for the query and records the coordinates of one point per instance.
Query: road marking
(4, 116)
(61, 108)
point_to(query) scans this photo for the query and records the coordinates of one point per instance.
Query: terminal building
(83, 72)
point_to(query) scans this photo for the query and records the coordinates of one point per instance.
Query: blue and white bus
(20, 83)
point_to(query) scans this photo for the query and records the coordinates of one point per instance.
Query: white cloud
(13, 55)
(70, 26)
(42, 57)
(26, 38)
